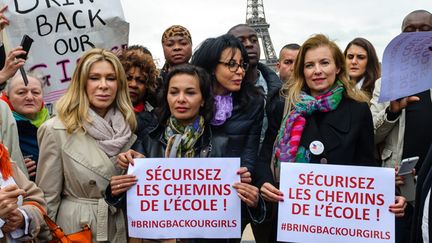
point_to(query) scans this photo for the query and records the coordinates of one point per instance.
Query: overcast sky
(290, 21)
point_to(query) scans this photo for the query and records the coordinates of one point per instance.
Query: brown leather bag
(83, 236)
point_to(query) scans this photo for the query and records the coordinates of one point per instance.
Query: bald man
(403, 127)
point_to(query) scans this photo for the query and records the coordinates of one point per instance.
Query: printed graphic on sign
(334, 204)
(406, 66)
(184, 198)
(62, 31)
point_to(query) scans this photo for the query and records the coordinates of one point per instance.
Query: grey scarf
(111, 132)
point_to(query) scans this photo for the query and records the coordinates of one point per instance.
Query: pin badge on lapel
(316, 147)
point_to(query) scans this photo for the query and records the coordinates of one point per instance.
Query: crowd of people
(216, 101)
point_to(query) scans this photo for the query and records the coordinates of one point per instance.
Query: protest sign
(184, 198)
(406, 66)
(62, 32)
(334, 203)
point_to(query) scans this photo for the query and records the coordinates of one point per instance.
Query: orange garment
(5, 164)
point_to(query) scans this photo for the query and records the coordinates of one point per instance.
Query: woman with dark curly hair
(141, 74)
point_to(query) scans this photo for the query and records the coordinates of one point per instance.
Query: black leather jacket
(152, 144)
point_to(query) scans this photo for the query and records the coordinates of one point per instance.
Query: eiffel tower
(255, 18)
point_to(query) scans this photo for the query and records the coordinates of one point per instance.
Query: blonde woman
(327, 120)
(78, 147)
(323, 105)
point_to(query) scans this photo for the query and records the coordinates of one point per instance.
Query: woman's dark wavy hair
(373, 67)
(163, 111)
(136, 57)
(208, 54)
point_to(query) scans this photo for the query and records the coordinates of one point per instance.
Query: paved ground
(248, 236)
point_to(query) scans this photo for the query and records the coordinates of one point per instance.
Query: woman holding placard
(327, 120)
(184, 117)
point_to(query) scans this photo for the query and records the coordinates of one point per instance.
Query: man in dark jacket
(403, 125)
(258, 73)
(265, 78)
(421, 231)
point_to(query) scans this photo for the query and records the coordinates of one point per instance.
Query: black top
(2, 56)
(346, 133)
(240, 134)
(146, 121)
(418, 135)
(152, 144)
(27, 134)
(2, 62)
(424, 183)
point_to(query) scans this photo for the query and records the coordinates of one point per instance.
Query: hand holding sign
(271, 193)
(62, 32)
(398, 208)
(245, 175)
(121, 183)
(334, 203)
(12, 64)
(398, 105)
(126, 158)
(187, 198)
(3, 20)
(247, 193)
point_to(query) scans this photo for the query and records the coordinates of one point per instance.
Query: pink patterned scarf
(288, 140)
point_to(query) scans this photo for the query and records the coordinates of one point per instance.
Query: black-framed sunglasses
(233, 66)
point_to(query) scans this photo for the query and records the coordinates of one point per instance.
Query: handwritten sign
(62, 31)
(333, 204)
(184, 198)
(406, 66)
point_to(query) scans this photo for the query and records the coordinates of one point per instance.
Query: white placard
(406, 66)
(184, 198)
(62, 32)
(334, 204)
